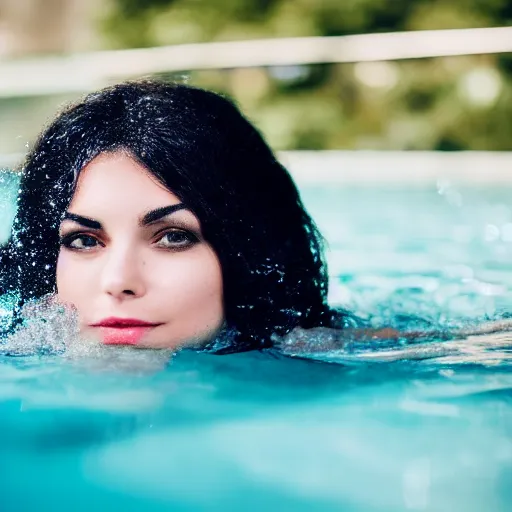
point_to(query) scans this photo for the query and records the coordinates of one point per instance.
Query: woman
(161, 215)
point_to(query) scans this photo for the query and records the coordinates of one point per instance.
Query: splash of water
(330, 345)
(48, 328)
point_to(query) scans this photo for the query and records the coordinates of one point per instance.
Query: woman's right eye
(79, 242)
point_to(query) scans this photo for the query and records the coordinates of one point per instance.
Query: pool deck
(399, 167)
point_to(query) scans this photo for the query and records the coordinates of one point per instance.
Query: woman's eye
(80, 242)
(176, 239)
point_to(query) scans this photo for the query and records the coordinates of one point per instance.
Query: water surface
(427, 428)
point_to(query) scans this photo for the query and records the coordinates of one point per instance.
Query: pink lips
(123, 331)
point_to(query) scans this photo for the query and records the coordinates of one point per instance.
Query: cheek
(62, 272)
(194, 281)
(71, 281)
(192, 289)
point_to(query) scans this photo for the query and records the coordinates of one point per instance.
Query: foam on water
(49, 329)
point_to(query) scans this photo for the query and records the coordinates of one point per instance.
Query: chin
(192, 341)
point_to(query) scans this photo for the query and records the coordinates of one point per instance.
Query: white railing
(411, 168)
(84, 72)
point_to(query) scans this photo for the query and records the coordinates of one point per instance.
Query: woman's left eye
(176, 239)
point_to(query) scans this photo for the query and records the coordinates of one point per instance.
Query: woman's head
(239, 251)
(130, 249)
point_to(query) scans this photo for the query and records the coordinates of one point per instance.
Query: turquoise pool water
(426, 427)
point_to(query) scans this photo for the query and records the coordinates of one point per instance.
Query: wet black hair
(199, 145)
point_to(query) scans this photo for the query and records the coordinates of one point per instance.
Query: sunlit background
(453, 102)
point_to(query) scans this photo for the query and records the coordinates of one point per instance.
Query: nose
(121, 274)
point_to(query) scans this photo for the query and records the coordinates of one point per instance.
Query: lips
(123, 331)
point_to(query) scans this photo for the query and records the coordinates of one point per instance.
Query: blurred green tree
(444, 103)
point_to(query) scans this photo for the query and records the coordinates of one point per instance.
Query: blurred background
(448, 103)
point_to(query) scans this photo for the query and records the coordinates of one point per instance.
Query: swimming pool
(129, 430)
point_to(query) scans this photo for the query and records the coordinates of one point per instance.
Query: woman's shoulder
(331, 335)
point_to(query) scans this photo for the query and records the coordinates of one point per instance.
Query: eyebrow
(84, 221)
(158, 213)
(148, 218)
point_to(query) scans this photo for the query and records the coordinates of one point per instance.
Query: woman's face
(133, 260)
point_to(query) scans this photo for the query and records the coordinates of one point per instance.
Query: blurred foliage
(444, 103)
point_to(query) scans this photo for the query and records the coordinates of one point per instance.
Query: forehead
(116, 181)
